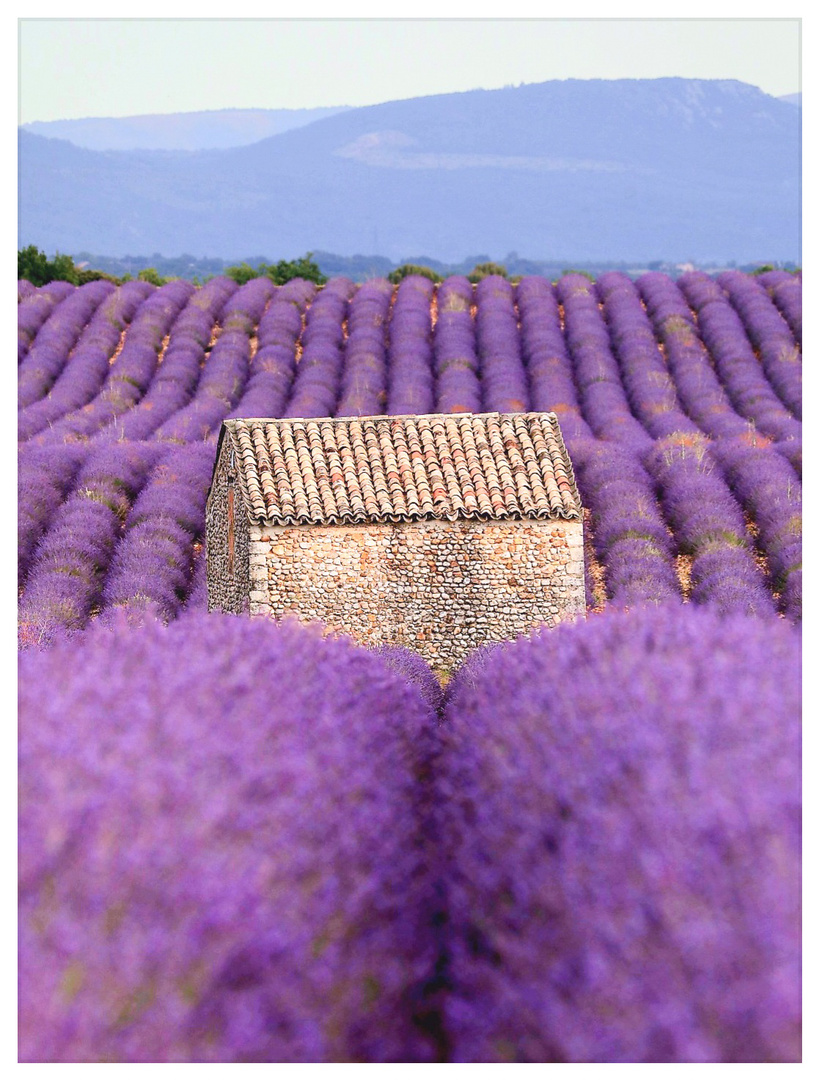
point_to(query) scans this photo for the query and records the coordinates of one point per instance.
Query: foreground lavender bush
(211, 871)
(621, 818)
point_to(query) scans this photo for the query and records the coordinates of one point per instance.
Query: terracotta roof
(403, 468)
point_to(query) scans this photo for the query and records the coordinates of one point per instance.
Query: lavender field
(243, 841)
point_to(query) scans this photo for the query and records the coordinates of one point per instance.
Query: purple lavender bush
(44, 479)
(89, 362)
(190, 339)
(411, 382)
(619, 804)
(546, 359)
(504, 385)
(130, 376)
(596, 373)
(785, 289)
(68, 567)
(739, 370)
(709, 525)
(56, 338)
(698, 388)
(771, 334)
(644, 372)
(220, 855)
(363, 389)
(629, 534)
(317, 381)
(34, 307)
(152, 565)
(457, 386)
(278, 340)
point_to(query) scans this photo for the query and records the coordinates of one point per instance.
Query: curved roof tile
(403, 468)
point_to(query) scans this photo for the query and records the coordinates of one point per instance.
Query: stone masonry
(439, 587)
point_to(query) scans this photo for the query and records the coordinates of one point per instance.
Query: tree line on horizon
(34, 265)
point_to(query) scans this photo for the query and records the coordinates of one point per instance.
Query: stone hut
(437, 532)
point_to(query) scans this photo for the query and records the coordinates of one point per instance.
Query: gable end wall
(227, 591)
(439, 587)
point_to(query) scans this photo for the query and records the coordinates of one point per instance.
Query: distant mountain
(631, 170)
(792, 99)
(212, 130)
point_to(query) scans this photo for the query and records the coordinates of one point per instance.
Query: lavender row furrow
(34, 308)
(504, 385)
(131, 374)
(699, 390)
(226, 372)
(180, 369)
(273, 366)
(547, 361)
(44, 479)
(152, 564)
(649, 387)
(87, 367)
(363, 389)
(779, 354)
(318, 372)
(733, 357)
(786, 292)
(411, 379)
(456, 364)
(604, 401)
(630, 537)
(708, 525)
(770, 492)
(59, 334)
(69, 566)
(25, 289)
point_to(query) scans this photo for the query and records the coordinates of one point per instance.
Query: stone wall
(228, 576)
(439, 587)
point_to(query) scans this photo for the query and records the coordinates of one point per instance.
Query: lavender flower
(56, 338)
(620, 818)
(318, 372)
(604, 401)
(457, 388)
(214, 872)
(411, 382)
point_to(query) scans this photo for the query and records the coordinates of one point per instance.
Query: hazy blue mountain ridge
(625, 169)
(206, 130)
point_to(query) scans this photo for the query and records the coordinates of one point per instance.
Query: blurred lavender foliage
(620, 808)
(214, 872)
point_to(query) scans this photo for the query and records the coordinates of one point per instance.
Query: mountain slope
(206, 130)
(624, 169)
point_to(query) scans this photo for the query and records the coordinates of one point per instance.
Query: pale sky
(77, 67)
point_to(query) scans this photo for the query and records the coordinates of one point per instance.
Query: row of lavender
(646, 358)
(688, 499)
(591, 854)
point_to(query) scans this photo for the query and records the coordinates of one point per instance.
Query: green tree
(63, 269)
(303, 267)
(409, 270)
(487, 269)
(32, 265)
(243, 273)
(150, 275)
